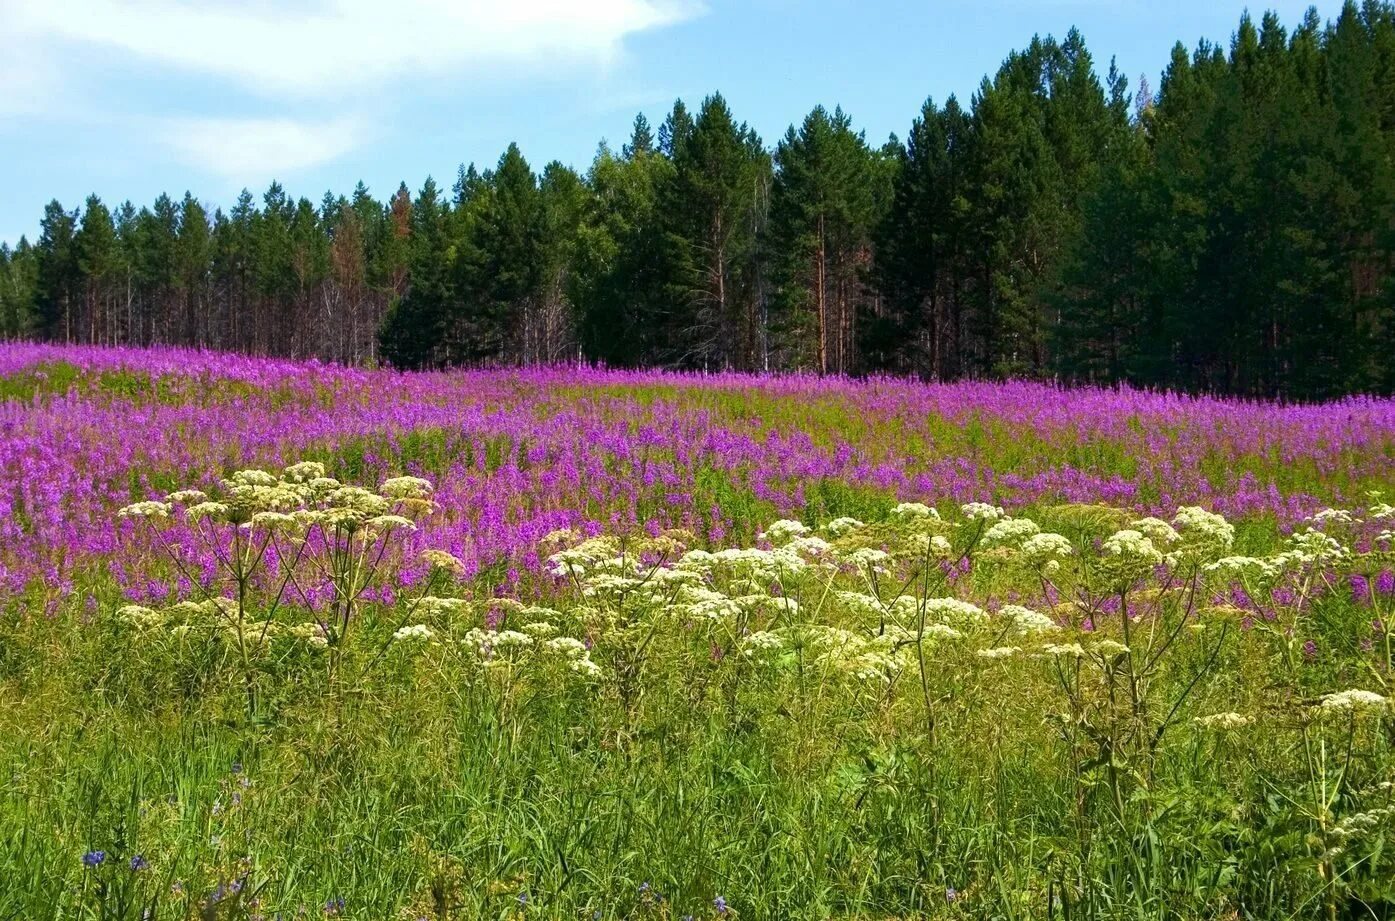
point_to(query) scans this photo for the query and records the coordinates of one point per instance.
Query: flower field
(292, 640)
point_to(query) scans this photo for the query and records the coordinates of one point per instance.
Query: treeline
(1234, 233)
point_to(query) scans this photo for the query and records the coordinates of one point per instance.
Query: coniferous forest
(1231, 230)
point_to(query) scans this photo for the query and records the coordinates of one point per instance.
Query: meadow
(293, 640)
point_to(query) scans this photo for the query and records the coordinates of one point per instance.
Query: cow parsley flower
(982, 511)
(784, 531)
(585, 667)
(390, 523)
(840, 527)
(998, 652)
(914, 511)
(1224, 722)
(1045, 549)
(1132, 547)
(304, 472)
(1011, 531)
(1203, 530)
(215, 511)
(273, 521)
(407, 487)
(1064, 650)
(1108, 649)
(413, 633)
(1027, 620)
(150, 509)
(868, 558)
(446, 562)
(1156, 530)
(1354, 701)
(954, 611)
(566, 646)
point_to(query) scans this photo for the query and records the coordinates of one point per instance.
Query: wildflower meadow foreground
(285, 640)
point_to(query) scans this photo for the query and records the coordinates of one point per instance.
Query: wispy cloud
(294, 57)
(312, 49)
(246, 150)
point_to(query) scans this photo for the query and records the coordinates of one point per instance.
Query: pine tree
(720, 175)
(59, 278)
(821, 220)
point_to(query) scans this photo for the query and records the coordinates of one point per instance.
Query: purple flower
(94, 859)
(951, 894)
(138, 863)
(720, 904)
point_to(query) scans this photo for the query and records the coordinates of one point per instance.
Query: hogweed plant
(298, 541)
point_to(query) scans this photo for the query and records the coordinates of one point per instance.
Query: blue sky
(128, 98)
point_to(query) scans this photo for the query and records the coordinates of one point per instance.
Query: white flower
(142, 618)
(566, 646)
(435, 607)
(446, 562)
(1240, 567)
(512, 639)
(406, 487)
(861, 604)
(784, 531)
(912, 511)
(149, 509)
(954, 611)
(390, 523)
(1353, 701)
(982, 511)
(1064, 650)
(841, 526)
(540, 630)
(998, 652)
(214, 510)
(1313, 548)
(868, 558)
(1108, 649)
(1132, 547)
(1156, 530)
(1040, 549)
(1224, 722)
(273, 521)
(1011, 531)
(762, 642)
(413, 633)
(810, 546)
(304, 472)
(1337, 515)
(250, 478)
(1200, 528)
(186, 497)
(585, 667)
(1027, 620)
(1381, 511)
(313, 634)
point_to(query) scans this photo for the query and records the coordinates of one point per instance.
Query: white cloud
(247, 150)
(329, 47)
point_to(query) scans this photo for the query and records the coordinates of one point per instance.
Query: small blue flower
(139, 863)
(720, 904)
(94, 859)
(523, 900)
(951, 894)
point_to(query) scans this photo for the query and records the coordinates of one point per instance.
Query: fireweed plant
(634, 645)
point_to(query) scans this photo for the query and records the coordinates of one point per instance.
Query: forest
(1231, 231)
